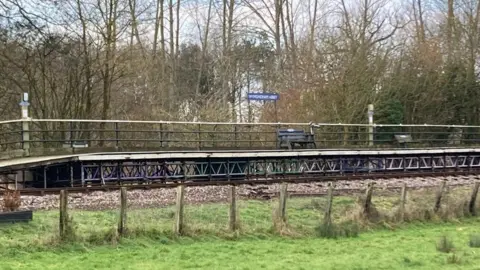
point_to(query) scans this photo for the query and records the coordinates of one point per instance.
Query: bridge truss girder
(163, 171)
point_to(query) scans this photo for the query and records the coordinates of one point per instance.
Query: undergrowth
(474, 241)
(445, 245)
(331, 230)
(454, 259)
(384, 213)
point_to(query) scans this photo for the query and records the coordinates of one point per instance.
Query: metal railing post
(275, 134)
(235, 135)
(250, 136)
(25, 137)
(25, 125)
(71, 135)
(117, 135)
(199, 136)
(167, 135)
(370, 124)
(213, 135)
(161, 135)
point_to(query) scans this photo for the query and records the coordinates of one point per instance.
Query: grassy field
(411, 247)
(208, 244)
(98, 227)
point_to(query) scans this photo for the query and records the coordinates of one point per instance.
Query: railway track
(161, 197)
(297, 179)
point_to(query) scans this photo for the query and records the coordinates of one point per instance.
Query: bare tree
(171, 88)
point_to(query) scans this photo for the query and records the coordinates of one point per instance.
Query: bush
(350, 230)
(327, 230)
(453, 259)
(11, 200)
(474, 241)
(330, 230)
(445, 245)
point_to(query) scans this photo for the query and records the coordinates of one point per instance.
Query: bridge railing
(125, 135)
(45, 136)
(358, 135)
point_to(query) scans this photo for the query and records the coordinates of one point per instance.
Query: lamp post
(24, 105)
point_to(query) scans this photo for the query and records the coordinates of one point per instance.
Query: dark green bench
(288, 138)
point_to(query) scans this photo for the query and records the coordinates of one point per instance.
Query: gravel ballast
(143, 198)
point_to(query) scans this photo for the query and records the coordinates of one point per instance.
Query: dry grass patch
(11, 200)
(419, 207)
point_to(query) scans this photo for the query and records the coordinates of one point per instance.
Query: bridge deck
(200, 166)
(267, 154)
(31, 162)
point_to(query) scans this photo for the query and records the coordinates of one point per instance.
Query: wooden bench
(403, 139)
(290, 137)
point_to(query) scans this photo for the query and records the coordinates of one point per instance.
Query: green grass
(412, 247)
(96, 227)
(255, 218)
(208, 244)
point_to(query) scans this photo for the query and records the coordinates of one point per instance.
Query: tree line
(195, 60)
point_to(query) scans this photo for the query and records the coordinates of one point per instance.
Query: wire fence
(95, 218)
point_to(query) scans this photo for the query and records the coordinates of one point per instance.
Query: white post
(25, 125)
(370, 123)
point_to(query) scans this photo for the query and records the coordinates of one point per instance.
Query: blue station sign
(263, 96)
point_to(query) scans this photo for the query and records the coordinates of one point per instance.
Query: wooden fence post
(122, 222)
(282, 202)
(233, 224)
(63, 225)
(179, 210)
(473, 199)
(403, 199)
(327, 219)
(438, 198)
(368, 199)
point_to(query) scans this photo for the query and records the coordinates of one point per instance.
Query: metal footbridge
(43, 154)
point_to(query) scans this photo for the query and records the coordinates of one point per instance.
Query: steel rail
(298, 179)
(341, 191)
